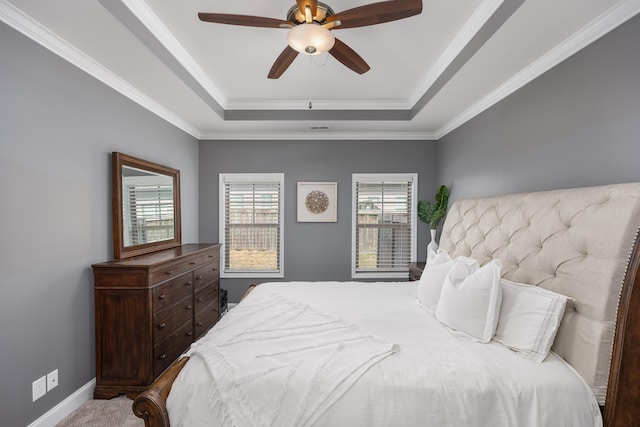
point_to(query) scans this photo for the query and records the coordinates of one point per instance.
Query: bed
(355, 353)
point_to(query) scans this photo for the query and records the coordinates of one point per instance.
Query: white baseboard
(67, 406)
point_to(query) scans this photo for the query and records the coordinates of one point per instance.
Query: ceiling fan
(309, 23)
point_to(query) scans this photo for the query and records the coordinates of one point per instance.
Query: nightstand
(415, 270)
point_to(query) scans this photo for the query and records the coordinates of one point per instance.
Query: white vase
(432, 247)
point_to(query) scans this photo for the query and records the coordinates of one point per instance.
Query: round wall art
(317, 201)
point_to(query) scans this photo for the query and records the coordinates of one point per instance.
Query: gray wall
(58, 127)
(576, 125)
(312, 251)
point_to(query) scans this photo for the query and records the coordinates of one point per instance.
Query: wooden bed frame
(622, 406)
(622, 403)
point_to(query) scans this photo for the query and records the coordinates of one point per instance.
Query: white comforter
(435, 379)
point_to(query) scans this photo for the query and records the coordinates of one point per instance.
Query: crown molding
(479, 17)
(150, 20)
(608, 21)
(319, 104)
(24, 24)
(319, 135)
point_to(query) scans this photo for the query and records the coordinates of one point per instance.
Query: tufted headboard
(577, 242)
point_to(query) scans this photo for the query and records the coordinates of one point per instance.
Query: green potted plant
(432, 213)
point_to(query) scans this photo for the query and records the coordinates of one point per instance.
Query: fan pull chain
(324, 55)
(309, 85)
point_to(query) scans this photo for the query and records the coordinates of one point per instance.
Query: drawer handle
(210, 256)
(162, 325)
(199, 299)
(198, 277)
(189, 333)
(188, 283)
(168, 272)
(200, 323)
(193, 263)
(189, 307)
(161, 297)
(164, 356)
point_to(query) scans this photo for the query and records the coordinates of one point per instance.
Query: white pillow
(470, 301)
(529, 319)
(432, 278)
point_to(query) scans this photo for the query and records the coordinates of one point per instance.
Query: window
(384, 224)
(251, 225)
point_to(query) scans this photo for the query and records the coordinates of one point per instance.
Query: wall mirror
(146, 206)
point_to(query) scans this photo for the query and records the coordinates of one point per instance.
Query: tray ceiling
(429, 74)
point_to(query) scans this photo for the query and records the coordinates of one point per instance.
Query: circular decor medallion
(317, 202)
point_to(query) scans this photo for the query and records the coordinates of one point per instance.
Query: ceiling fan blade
(246, 20)
(349, 57)
(313, 4)
(377, 13)
(282, 62)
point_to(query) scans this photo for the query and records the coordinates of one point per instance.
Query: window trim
(357, 177)
(224, 178)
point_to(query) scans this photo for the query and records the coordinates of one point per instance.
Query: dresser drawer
(205, 275)
(169, 270)
(206, 318)
(205, 296)
(171, 292)
(167, 321)
(169, 350)
(212, 254)
(175, 268)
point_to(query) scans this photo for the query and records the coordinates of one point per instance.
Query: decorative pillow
(470, 301)
(529, 319)
(432, 278)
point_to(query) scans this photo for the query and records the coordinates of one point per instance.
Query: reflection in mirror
(146, 206)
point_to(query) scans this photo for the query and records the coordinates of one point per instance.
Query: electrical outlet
(52, 380)
(39, 388)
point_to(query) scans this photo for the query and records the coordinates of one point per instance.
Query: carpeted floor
(115, 412)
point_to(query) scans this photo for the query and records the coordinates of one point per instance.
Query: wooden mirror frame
(118, 160)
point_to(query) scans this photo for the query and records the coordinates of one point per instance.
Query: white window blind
(384, 224)
(149, 210)
(251, 225)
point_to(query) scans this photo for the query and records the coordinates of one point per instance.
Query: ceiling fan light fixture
(310, 38)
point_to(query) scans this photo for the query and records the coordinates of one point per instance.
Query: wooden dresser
(148, 310)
